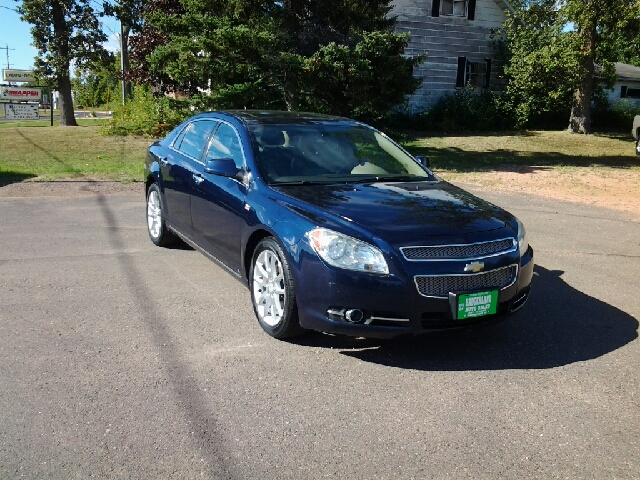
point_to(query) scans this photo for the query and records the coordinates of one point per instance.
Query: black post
(51, 103)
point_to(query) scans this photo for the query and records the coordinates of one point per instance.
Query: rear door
(183, 162)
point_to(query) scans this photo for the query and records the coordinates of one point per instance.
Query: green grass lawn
(41, 152)
(525, 149)
(37, 151)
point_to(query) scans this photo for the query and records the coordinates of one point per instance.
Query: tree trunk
(67, 115)
(292, 98)
(580, 120)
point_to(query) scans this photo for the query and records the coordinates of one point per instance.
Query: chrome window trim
(219, 121)
(461, 259)
(172, 146)
(515, 279)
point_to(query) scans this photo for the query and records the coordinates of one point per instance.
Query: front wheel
(272, 291)
(638, 143)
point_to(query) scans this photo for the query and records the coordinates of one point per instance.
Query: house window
(454, 8)
(475, 74)
(457, 8)
(626, 92)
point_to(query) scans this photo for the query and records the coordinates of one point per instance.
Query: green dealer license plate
(477, 304)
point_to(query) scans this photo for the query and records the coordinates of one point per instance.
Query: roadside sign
(22, 111)
(9, 75)
(20, 93)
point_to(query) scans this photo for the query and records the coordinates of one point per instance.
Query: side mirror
(225, 167)
(424, 161)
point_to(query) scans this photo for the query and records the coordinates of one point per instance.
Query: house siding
(443, 39)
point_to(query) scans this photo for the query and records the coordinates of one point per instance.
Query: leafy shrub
(614, 117)
(146, 115)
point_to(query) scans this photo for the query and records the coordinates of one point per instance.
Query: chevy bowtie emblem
(474, 267)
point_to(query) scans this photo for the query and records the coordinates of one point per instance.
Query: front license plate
(474, 305)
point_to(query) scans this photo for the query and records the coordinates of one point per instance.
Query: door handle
(198, 179)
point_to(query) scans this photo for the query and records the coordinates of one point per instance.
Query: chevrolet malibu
(333, 226)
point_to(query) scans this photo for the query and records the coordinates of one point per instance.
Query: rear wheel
(158, 231)
(638, 142)
(272, 291)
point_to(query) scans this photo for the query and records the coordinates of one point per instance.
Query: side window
(225, 144)
(195, 138)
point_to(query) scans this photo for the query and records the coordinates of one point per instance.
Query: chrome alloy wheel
(269, 288)
(154, 214)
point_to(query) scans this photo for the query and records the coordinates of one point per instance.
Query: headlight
(523, 243)
(342, 251)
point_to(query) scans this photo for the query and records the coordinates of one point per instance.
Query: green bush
(617, 117)
(146, 115)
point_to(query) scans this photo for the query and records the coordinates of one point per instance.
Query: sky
(15, 34)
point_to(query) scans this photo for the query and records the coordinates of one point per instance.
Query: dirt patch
(71, 188)
(615, 188)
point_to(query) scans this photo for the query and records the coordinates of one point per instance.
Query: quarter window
(195, 138)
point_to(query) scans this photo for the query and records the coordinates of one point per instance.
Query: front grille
(441, 285)
(473, 250)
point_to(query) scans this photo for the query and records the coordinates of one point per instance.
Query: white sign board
(20, 93)
(22, 111)
(18, 75)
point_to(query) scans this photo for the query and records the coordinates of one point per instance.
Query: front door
(217, 202)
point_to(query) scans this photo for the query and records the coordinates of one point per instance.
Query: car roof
(265, 117)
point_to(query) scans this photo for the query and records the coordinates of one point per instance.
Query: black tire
(638, 142)
(275, 309)
(158, 231)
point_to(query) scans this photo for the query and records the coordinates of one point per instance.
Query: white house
(627, 86)
(456, 37)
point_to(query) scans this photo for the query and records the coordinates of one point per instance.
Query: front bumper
(391, 305)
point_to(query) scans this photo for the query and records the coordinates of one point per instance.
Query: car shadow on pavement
(9, 177)
(559, 326)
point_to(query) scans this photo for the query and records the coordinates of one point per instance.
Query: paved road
(119, 359)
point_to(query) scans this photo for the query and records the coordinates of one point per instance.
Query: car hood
(408, 211)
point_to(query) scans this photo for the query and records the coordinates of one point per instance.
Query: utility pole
(6, 48)
(124, 59)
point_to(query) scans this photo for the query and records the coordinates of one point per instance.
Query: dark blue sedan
(333, 226)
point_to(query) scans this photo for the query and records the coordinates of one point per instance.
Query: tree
(97, 85)
(554, 47)
(63, 31)
(325, 55)
(591, 19)
(129, 13)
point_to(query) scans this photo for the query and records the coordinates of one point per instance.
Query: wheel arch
(252, 242)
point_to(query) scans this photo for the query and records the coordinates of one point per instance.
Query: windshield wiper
(297, 182)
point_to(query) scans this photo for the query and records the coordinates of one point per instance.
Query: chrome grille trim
(459, 252)
(439, 286)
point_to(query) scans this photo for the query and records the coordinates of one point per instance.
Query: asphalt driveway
(119, 359)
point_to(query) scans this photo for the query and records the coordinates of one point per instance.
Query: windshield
(331, 153)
